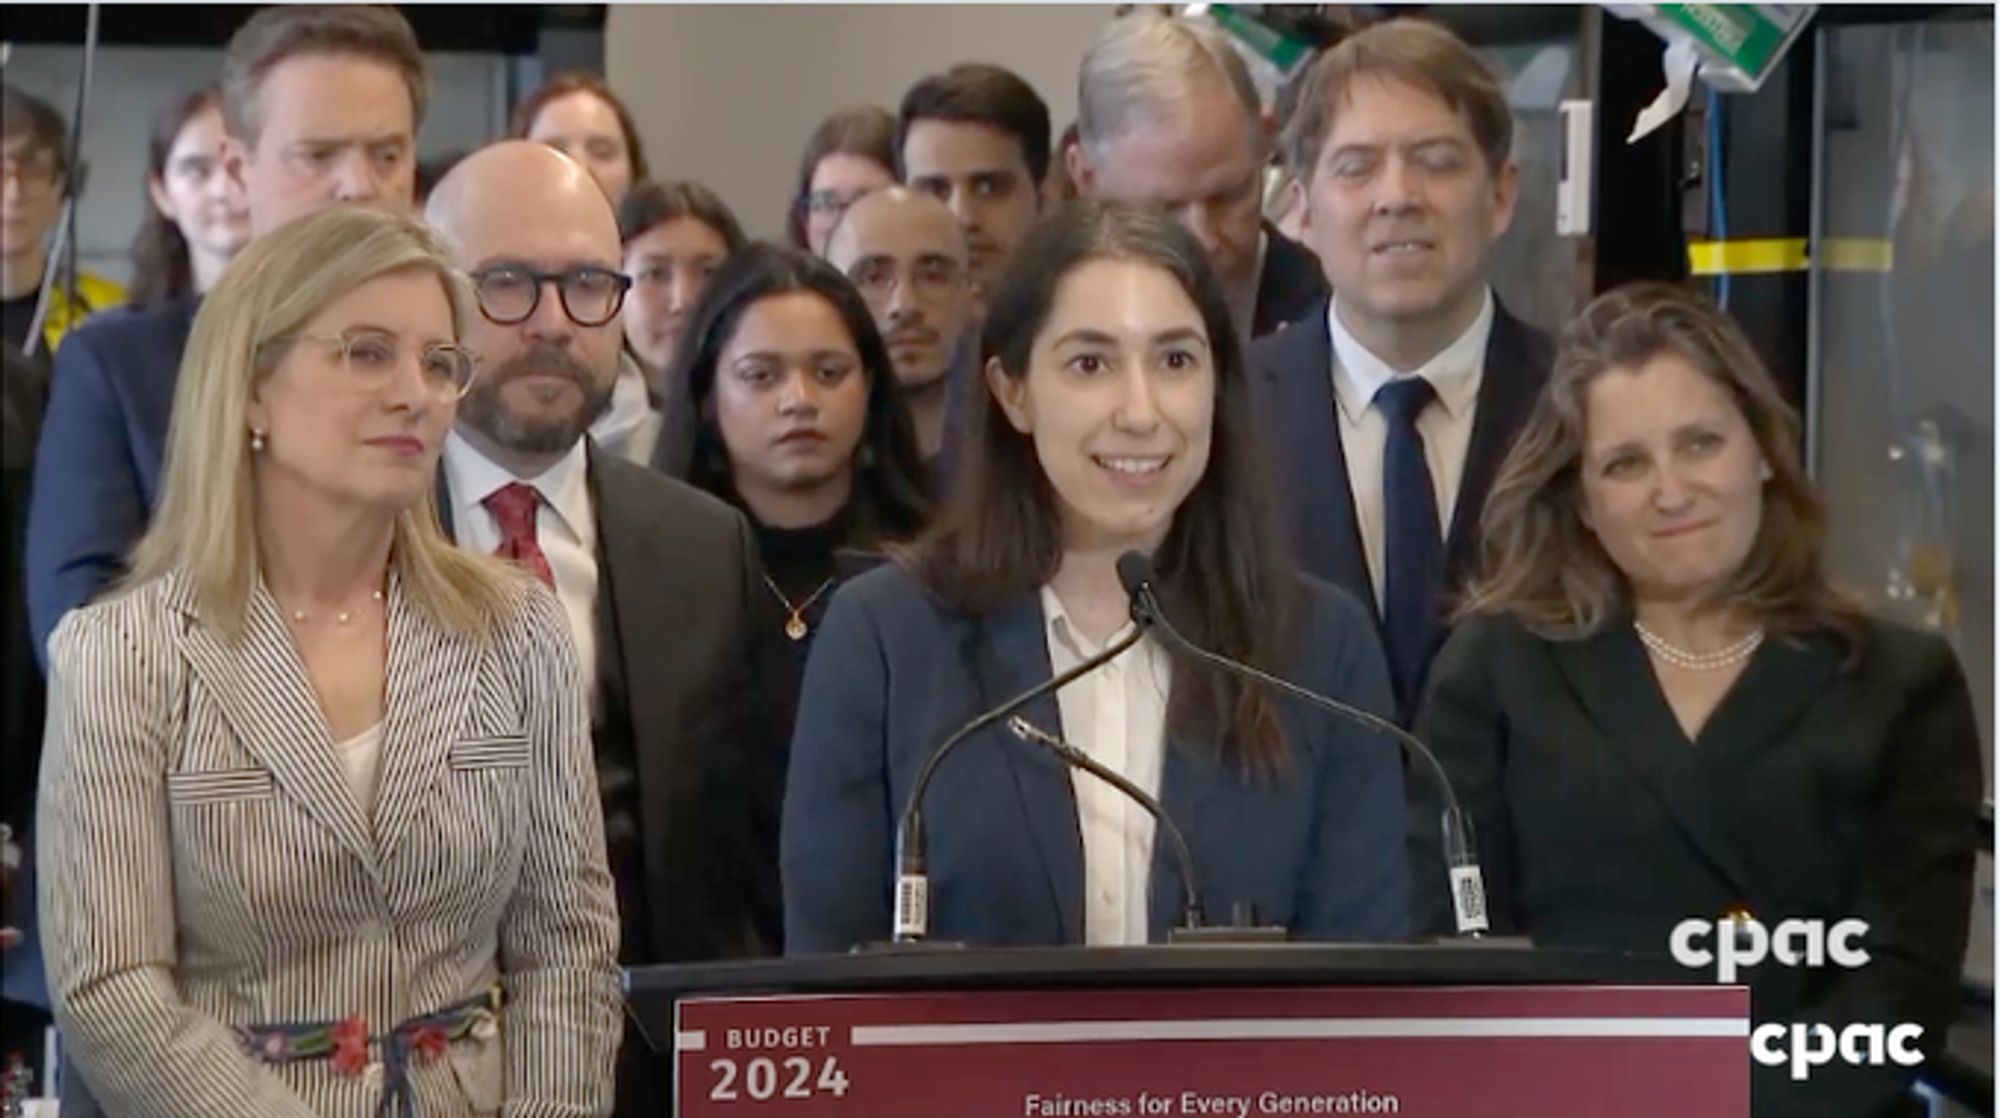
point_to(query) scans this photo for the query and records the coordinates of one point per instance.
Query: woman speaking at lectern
(1115, 419)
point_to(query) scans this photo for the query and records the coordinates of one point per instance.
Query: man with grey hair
(1167, 115)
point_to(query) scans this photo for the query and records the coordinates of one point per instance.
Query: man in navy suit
(1167, 115)
(321, 105)
(1390, 407)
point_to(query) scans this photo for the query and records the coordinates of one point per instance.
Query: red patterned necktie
(514, 507)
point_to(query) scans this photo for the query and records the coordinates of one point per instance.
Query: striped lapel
(265, 697)
(430, 678)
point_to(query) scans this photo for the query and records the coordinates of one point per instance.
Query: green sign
(1747, 39)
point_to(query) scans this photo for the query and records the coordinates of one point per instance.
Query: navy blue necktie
(1413, 546)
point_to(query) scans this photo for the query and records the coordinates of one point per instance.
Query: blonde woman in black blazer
(320, 831)
(1657, 709)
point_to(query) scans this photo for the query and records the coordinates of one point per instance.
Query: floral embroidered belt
(346, 1042)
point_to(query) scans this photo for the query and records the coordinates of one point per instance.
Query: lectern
(1241, 1031)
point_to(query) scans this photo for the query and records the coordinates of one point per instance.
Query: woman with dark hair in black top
(797, 422)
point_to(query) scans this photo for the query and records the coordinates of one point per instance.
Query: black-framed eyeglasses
(509, 293)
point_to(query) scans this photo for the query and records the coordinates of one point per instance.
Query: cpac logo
(1816, 1045)
(1745, 943)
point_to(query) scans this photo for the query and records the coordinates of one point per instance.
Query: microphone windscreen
(1135, 569)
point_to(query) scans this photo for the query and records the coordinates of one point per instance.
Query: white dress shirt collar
(564, 486)
(1455, 373)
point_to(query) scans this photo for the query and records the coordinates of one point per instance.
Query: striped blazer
(204, 865)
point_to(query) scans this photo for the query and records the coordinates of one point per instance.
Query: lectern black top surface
(1498, 962)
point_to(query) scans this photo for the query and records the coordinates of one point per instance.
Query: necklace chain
(1699, 661)
(795, 625)
(340, 618)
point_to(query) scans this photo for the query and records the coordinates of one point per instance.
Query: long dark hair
(161, 267)
(891, 485)
(649, 204)
(1222, 577)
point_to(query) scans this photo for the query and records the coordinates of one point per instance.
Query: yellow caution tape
(1755, 256)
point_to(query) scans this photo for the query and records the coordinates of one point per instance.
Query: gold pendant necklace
(795, 625)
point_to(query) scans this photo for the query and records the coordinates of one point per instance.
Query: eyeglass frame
(900, 271)
(344, 342)
(542, 279)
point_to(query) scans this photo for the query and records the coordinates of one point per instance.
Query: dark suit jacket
(1299, 418)
(1811, 792)
(679, 588)
(1289, 287)
(97, 466)
(893, 672)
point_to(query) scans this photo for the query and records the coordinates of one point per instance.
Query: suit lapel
(1613, 681)
(635, 596)
(1515, 368)
(1188, 783)
(1311, 460)
(1778, 686)
(430, 676)
(267, 700)
(1010, 653)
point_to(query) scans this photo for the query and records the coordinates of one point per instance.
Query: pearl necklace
(1700, 661)
(300, 617)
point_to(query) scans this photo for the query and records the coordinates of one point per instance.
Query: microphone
(912, 905)
(1191, 914)
(1468, 884)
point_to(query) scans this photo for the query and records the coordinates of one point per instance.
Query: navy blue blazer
(1290, 286)
(894, 671)
(97, 466)
(1299, 420)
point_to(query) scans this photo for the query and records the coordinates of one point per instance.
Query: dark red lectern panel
(1417, 1052)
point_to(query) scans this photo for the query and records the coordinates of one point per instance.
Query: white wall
(728, 95)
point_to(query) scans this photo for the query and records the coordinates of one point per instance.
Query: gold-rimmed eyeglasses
(372, 358)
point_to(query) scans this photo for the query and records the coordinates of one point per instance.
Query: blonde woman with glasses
(318, 822)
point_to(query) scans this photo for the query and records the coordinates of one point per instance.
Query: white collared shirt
(1455, 374)
(1118, 715)
(564, 526)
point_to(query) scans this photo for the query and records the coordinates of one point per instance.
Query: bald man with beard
(905, 252)
(658, 579)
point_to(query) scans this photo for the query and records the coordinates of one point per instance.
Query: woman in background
(1114, 415)
(578, 115)
(198, 219)
(851, 153)
(319, 827)
(676, 234)
(1657, 707)
(800, 425)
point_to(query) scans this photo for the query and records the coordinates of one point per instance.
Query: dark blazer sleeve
(1463, 722)
(1359, 884)
(87, 509)
(836, 838)
(1913, 887)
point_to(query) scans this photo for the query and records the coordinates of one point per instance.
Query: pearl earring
(256, 440)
